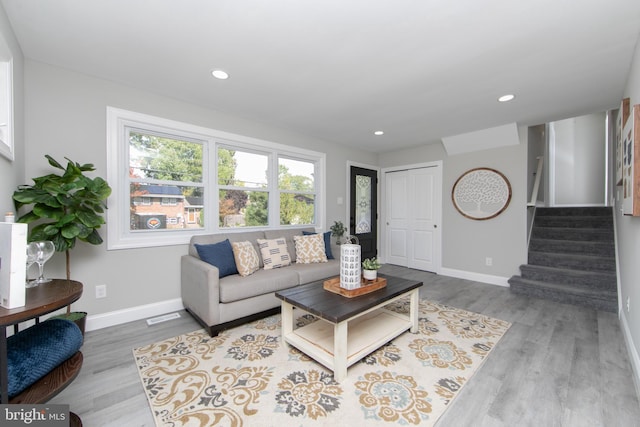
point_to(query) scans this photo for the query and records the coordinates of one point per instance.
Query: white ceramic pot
(370, 274)
(350, 266)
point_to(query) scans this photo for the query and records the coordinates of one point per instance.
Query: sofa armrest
(200, 288)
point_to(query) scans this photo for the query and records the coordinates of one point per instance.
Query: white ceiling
(339, 69)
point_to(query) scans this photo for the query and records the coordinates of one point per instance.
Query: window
(296, 191)
(243, 188)
(167, 169)
(168, 201)
(167, 175)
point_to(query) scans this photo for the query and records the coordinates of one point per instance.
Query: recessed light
(219, 74)
(506, 98)
(378, 132)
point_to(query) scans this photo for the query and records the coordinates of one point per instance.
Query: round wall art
(481, 193)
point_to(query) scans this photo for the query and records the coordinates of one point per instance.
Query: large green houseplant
(65, 207)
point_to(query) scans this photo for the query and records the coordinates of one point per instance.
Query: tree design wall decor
(481, 193)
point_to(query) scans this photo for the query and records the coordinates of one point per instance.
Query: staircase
(571, 258)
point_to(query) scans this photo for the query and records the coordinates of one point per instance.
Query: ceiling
(339, 70)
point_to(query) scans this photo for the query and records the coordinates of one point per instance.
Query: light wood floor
(558, 365)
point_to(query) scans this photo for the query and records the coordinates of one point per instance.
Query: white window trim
(117, 216)
(7, 147)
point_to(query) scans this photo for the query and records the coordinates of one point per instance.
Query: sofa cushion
(246, 258)
(219, 255)
(236, 288)
(310, 249)
(308, 273)
(327, 242)
(274, 253)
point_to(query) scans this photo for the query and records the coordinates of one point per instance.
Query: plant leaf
(45, 211)
(70, 231)
(94, 238)
(53, 162)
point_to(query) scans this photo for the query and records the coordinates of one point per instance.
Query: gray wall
(628, 235)
(578, 164)
(66, 116)
(12, 173)
(466, 243)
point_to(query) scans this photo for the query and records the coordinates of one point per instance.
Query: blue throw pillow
(327, 242)
(35, 351)
(219, 255)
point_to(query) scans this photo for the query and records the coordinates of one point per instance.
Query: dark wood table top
(336, 308)
(41, 300)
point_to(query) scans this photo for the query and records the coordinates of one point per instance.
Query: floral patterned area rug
(247, 376)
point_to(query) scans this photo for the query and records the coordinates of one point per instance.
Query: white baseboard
(633, 353)
(131, 314)
(476, 277)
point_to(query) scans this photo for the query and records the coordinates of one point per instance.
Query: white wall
(467, 243)
(66, 117)
(577, 164)
(12, 173)
(628, 235)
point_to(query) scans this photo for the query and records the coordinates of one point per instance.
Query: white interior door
(413, 217)
(424, 220)
(397, 227)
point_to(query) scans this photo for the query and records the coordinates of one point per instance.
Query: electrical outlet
(101, 291)
(628, 303)
(488, 261)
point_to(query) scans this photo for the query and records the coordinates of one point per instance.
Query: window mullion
(274, 192)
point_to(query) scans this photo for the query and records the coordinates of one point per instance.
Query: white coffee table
(349, 328)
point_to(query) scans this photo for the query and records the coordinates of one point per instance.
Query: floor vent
(163, 318)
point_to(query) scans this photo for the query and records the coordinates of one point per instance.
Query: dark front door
(363, 216)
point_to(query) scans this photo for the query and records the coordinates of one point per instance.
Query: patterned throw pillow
(247, 260)
(310, 249)
(327, 242)
(274, 253)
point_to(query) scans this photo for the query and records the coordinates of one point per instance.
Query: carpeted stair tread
(594, 222)
(572, 233)
(574, 211)
(572, 261)
(606, 300)
(591, 279)
(605, 249)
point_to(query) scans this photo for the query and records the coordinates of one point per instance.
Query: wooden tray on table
(366, 286)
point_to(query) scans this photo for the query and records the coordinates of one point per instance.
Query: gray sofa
(221, 303)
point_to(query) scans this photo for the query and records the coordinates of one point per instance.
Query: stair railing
(536, 184)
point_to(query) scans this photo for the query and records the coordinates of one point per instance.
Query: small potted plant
(338, 230)
(370, 268)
